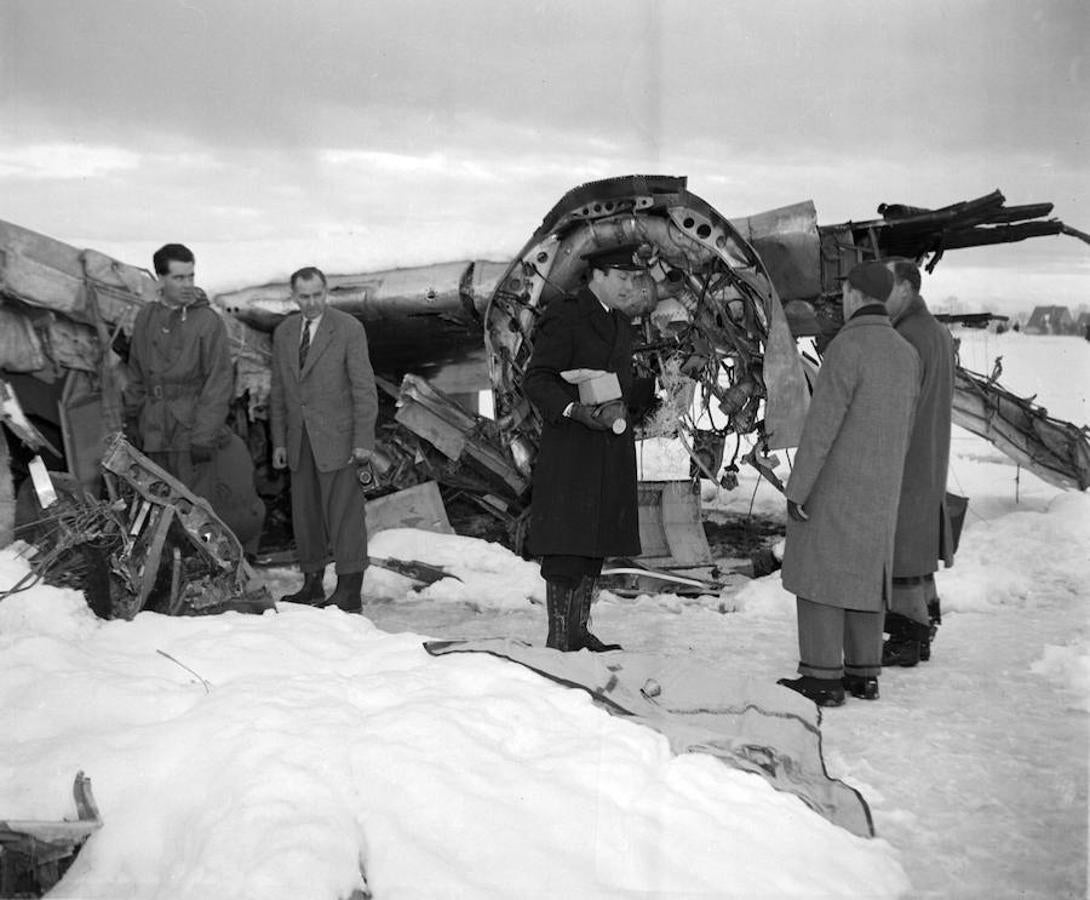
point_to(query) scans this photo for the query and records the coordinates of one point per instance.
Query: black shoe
(311, 593)
(861, 686)
(904, 653)
(823, 691)
(346, 596)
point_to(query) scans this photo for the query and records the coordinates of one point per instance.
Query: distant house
(1050, 320)
(1082, 325)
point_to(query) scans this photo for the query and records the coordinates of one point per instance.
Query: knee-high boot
(563, 622)
(586, 591)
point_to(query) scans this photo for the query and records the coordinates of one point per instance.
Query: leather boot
(934, 613)
(585, 593)
(559, 600)
(346, 596)
(311, 593)
(907, 639)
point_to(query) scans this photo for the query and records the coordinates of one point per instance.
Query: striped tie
(304, 345)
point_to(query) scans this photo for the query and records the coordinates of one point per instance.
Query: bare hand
(280, 457)
(361, 455)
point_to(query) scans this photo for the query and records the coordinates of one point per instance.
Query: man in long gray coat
(924, 535)
(322, 411)
(842, 495)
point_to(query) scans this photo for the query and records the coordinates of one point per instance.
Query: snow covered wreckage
(720, 317)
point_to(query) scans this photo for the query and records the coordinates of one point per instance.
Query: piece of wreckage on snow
(722, 307)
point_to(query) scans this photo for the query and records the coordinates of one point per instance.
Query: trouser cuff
(827, 672)
(862, 671)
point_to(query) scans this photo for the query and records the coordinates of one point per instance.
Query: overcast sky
(354, 135)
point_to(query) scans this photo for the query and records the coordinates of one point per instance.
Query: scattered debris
(34, 855)
(719, 313)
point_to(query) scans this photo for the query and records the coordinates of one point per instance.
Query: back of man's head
(872, 280)
(905, 270)
(168, 253)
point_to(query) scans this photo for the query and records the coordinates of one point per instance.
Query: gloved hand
(796, 511)
(201, 453)
(131, 427)
(584, 415)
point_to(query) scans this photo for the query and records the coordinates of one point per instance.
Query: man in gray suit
(842, 495)
(322, 411)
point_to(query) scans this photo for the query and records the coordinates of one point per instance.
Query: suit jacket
(333, 397)
(848, 468)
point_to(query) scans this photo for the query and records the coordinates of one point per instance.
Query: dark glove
(201, 453)
(584, 415)
(131, 428)
(796, 512)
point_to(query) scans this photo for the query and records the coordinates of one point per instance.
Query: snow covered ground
(276, 756)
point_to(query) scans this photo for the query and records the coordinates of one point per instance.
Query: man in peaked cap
(584, 484)
(842, 495)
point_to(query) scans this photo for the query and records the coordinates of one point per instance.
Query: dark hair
(306, 273)
(905, 270)
(168, 253)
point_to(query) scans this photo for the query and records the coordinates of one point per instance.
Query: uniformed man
(584, 503)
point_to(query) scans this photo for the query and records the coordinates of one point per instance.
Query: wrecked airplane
(723, 308)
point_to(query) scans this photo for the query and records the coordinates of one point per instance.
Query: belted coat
(849, 465)
(181, 379)
(333, 395)
(584, 500)
(924, 534)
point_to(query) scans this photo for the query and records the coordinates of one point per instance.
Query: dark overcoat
(924, 535)
(584, 499)
(181, 379)
(848, 468)
(333, 395)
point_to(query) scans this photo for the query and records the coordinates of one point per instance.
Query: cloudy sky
(356, 135)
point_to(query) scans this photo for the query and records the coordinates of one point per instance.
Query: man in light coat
(322, 409)
(924, 534)
(842, 495)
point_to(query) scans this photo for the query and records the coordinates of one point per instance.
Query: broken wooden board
(34, 854)
(419, 506)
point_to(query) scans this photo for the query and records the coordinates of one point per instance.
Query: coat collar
(867, 319)
(914, 307)
(603, 321)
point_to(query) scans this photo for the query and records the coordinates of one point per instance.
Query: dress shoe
(823, 691)
(310, 594)
(861, 686)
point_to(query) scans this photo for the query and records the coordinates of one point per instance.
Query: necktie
(304, 345)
